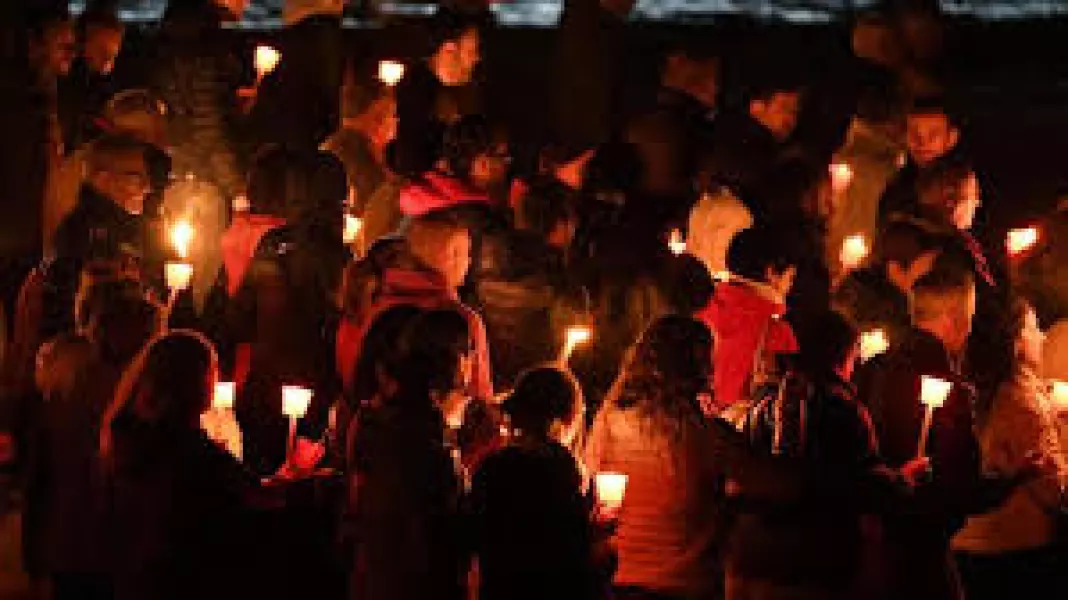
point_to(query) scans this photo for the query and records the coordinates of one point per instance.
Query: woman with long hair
(404, 504)
(651, 429)
(999, 552)
(178, 500)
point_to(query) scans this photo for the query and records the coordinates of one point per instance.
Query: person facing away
(1014, 545)
(405, 503)
(77, 376)
(105, 224)
(917, 531)
(745, 313)
(651, 428)
(178, 502)
(426, 272)
(437, 92)
(531, 521)
(84, 92)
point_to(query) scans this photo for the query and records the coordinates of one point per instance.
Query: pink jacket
(436, 191)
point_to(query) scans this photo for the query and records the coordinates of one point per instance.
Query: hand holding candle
(266, 60)
(1021, 241)
(676, 243)
(855, 251)
(351, 232)
(933, 394)
(575, 336)
(873, 343)
(390, 72)
(610, 489)
(223, 398)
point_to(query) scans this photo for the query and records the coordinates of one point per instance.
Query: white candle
(1059, 395)
(353, 225)
(223, 398)
(933, 394)
(676, 243)
(721, 276)
(178, 275)
(295, 401)
(182, 234)
(390, 72)
(841, 177)
(610, 489)
(855, 250)
(575, 336)
(266, 59)
(873, 343)
(1019, 241)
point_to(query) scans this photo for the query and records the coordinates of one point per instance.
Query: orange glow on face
(1021, 241)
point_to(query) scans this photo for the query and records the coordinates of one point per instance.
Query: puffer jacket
(744, 319)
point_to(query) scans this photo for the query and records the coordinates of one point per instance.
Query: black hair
(616, 168)
(431, 349)
(689, 285)
(450, 25)
(99, 16)
(542, 395)
(754, 250)
(380, 349)
(772, 83)
(903, 240)
(826, 339)
(465, 140)
(544, 209)
(935, 105)
(879, 100)
(291, 182)
(43, 16)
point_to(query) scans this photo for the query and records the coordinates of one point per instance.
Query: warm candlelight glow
(610, 489)
(676, 243)
(841, 177)
(1020, 241)
(353, 225)
(178, 275)
(873, 343)
(182, 234)
(224, 395)
(267, 58)
(721, 276)
(576, 336)
(1059, 394)
(295, 401)
(855, 250)
(240, 204)
(390, 72)
(934, 391)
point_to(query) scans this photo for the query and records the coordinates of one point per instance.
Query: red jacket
(436, 191)
(426, 290)
(239, 244)
(738, 315)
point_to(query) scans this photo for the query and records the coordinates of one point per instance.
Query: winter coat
(405, 507)
(670, 534)
(745, 320)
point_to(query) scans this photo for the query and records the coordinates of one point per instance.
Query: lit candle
(873, 343)
(575, 336)
(390, 72)
(241, 204)
(676, 243)
(610, 489)
(1020, 241)
(1059, 393)
(223, 398)
(841, 177)
(353, 225)
(855, 250)
(933, 394)
(295, 401)
(721, 276)
(178, 275)
(266, 59)
(182, 234)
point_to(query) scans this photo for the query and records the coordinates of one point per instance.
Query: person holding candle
(651, 429)
(531, 520)
(181, 524)
(1014, 544)
(405, 501)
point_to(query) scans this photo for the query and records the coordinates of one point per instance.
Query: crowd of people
(280, 324)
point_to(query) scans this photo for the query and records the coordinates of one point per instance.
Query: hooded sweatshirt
(437, 191)
(740, 315)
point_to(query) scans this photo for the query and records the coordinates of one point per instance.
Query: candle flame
(1020, 241)
(223, 398)
(353, 225)
(295, 401)
(934, 391)
(1059, 395)
(266, 59)
(676, 243)
(841, 176)
(873, 343)
(855, 250)
(576, 336)
(182, 234)
(178, 275)
(611, 488)
(390, 72)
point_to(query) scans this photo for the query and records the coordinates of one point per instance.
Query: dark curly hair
(663, 374)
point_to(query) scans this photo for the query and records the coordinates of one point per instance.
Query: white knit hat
(1055, 352)
(296, 11)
